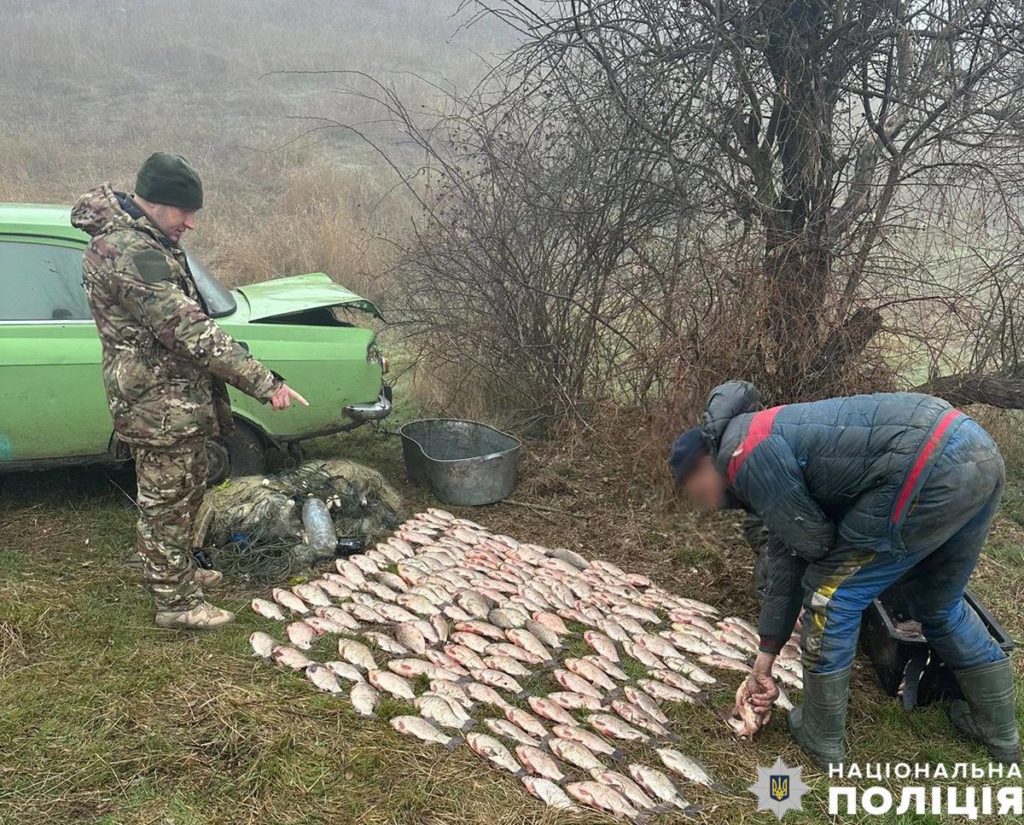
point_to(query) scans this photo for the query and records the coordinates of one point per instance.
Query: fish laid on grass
(421, 729)
(603, 798)
(364, 698)
(301, 635)
(575, 754)
(443, 712)
(262, 644)
(631, 790)
(391, 683)
(290, 657)
(686, 767)
(356, 653)
(286, 598)
(527, 721)
(539, 763)
(658, 785)
(323, 678)
(267, 609)
(492, 750)
(548, 792)
(509, 730)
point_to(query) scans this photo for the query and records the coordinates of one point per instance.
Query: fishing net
(253, 527)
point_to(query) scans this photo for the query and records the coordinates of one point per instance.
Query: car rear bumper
(381, 408)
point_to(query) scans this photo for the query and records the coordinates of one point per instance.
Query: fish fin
(619, 755)
(522, 694)
(691, 810)
(453, 742)
(672, 737)
(662, 808)
(718, 787)
(469, 724)
(612, 696)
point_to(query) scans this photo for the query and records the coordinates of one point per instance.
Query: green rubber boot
(988, 713)
(819, 724)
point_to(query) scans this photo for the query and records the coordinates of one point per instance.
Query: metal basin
(463, 462)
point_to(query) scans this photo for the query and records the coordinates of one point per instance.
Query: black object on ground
(907, 666)
(463, 462)
(350, 546)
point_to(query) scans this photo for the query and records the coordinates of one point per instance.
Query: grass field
(107, 719)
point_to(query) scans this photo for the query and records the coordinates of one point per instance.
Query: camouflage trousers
(171, 485)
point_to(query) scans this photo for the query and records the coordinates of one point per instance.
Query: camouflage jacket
(165, 362)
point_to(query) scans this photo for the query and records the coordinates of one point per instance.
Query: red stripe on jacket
(760, 428)
(921, 462)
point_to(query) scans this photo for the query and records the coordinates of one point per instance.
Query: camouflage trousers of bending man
(171, 485)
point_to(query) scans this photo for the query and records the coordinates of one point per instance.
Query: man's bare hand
(760, 691)
(282, 399)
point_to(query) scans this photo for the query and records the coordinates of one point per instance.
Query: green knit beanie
(169, 180)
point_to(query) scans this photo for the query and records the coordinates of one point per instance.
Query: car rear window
(40, 282)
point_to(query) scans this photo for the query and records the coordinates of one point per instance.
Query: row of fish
(472, 615)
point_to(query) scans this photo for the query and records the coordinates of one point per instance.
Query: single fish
(393, 613)
(495, 634)
(267, 609)
(658, 785)
(551, 621)
(364, 699)
(506, 664)
(324, 678)
(642, 655)
(663, 692)
(602, 645)
(576, 684)
(286, 598)
(356, 653)
(441, 628)
(550, 710)
(676, 680)
(637, 716)
(411, 668)
(645, 701)
(290, 657)
(724, 662)
(262, 644)
(615, 631)
(527, 641)
(364, 563)
(345, 671)
(389, 579)
(575, 701)
(608, 666)
(548, 792)
(591, 741)
(575, 754)
(421, 729)
(617, 729)
(546, 635)
(603, 798)
(312, 595)
(510, 730)
(386, 644)
(456, 613)
(497, 679)
(391, 683)
(478, 644)
(569, 556)
(464, 656)
(686, 767)
(367, 614)
(507, 618)
(441, 711)
(452, 691)
(513, 652)
(443, 660)
(417, 604)
(473, 603)
(527, 721)
(334, 589)
(492, 750)
(479, 692)
(322, 626)
(658, 646)
(410, 637)
(539, 763)
(592, 673)
(628, 788)
(691, 670)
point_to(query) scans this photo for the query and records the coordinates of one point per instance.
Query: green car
(53, 410)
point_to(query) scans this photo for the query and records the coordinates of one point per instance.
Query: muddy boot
(987, 713)
(819, 724)
(204, 616)
(207, 578)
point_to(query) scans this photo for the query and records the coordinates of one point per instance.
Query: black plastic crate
(906, 665)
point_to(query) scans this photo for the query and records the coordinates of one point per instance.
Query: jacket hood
(101, 211)
(727, 401)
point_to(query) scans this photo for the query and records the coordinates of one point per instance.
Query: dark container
(907, 667)
(463, 462)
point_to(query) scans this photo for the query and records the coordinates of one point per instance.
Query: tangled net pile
(564, 672)
(253, 525)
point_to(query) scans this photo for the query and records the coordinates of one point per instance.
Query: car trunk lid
(300, 293)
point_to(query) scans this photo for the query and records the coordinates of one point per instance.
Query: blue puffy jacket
(826, 477)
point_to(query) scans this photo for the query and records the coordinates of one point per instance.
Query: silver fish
(645, 701)
(608, 666)
(479, 692)
(262, 644)
(323, 678)
(551, 621)
(591, 741)
(495, 678)
(410, 637)
(506, 664)
(356, 653)
(312, 595)
(550, 710)
(267, 609)
(506, 618)
(628, 788)
(548, 792)
(686, 767)
(478, 644)
(576, 684)
(691, 670)
(546, 635)
(510, 730)
(441, 711)
(539, 763)
(286, 598)
(345, 671)
(451, 691)
(662, 691)
(575, 701)
(421, 729)
(338, 616)
(602, 645)
(616, 728)
(364, 699)
(411, 668)
(322, 626)
(603, 798)
(526, 720)
(592, 673)
(290, 657)
(575, 754)
(386, 644)
(391, 683)
(637, 716)
(491, 749)
(658, 785)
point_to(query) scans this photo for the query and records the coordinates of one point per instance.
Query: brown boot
(207, 578)
(204, 616)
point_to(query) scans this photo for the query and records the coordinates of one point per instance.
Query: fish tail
(469, 724)
(691, 810)
(718, 787)
(453, 742)
(618, 755)
(612, 695)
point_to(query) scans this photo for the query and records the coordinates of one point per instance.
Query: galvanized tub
(463, 462)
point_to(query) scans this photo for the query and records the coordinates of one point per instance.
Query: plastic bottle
(320, 533)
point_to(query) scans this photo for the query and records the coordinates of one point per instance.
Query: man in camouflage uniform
(165, 367)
